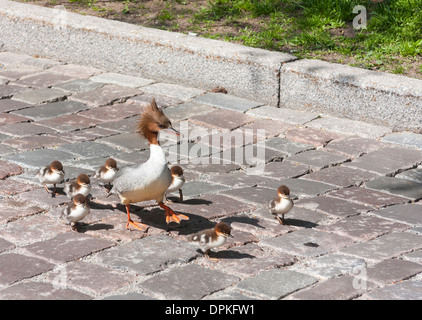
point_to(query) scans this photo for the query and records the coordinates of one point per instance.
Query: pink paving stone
(11, 209)
(312, 136)
(34, 142)
(69, 122)
(113, 112)
(10, 187)
(222, 119)
(86, 134)
(7, 105)
(368, 197)
(24, 129)
(272, 128)
(43, 80)
(354, 146)
(8, 169)
(8, 118)
(75, 71)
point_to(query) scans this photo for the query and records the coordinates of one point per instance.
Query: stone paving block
(40, 198)
(68, 246)
(43, 80)
(148, 255)
(88, 149)
(388, 161)
(8, 169)
(105, 95)
(405, 290)
(349, 127)
(215, 165)
(283, 114)
(227, 101)
(40, 291)
(33, 229)
(354, 146)
(312, 136)
(253, 195)
(401, 187)
(341, 288)
(13, 209)
(285, 169)
(341, 176)
(125, 141)
(86, 134)
(129, 296)
(173, 90)
(5, 245)
(7, 105)
(392, 270)
(329, 266)
(186, 110)
(318, 158)
(7, 91)
(39, 96)
(412, 174)
(275, 284)
(195, 188)
(25, 129)
(405, 213)
(271, 128)
(287, 147)
(212, 206)
(124, 125)
(238, 180)
(121, 80)
(112, 113)
(8, 58)
(95, 279)
(222, 119)
(16, 267)
(78, 85)
(408, 139)
(363, 228)
(5, 150)
(51, 110)
(333, 206)
(176, 286)
(162, 101)
(229, 295)
(302, 188)
(34, 142)
(15, 72)
(247, 260)
(307, 243)
(69, 122)
(385, 247)
(131, 158)
(75, 71)
(367, 196)
(415, 256)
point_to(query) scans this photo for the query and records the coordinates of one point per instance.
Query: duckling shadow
(243, 219)
(300, 223)
(230, 255)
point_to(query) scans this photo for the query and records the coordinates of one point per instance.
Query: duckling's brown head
(153, 120)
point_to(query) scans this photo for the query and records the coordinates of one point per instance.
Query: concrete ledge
(150, 53)
(377, 97)
(273, 78)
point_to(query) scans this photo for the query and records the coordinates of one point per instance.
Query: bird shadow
(229, 255)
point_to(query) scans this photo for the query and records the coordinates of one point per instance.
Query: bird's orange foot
(171, 216)
(136, 225)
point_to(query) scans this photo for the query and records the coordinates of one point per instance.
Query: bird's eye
(161, 125)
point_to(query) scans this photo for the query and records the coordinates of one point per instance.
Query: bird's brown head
(83, 179)
(223, 229)
(111, 163)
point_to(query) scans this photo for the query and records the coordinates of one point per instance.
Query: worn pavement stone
(301, 187)
(363, 228)
(34, 142)
(69, 122)
(78, 85)
(367, 196)
(412, 174)
(173, 90)
(318, 158)
(51, 110)
(385, 247)
(392, 270)
(405, 290)
(175, 285)
(222, 119)
(15, 267)
(39, 158)
(105, 95)
(24, 129)
(285, 169)
(7, 105)
(186, 110)
(5, 245)
(8, 169)
(121, 80)
(315, 137)
(283, 114)
(354, 146)
(39, 96)
(88, 149)
(405, 138)
(114, 112)
(388, 160)
(43, 80)
(76, 71)
(404, 213)
(40, 291)
(306, 242)
(125, 141)
(401, 187)
(275, 284)
(148, 255)
(287, 147)
(226, 101)
(341, 176)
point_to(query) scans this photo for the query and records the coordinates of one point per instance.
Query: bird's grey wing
(271, 206)
(126, 180)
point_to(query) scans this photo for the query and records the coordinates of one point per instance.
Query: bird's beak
(231, 236)
(173, 131)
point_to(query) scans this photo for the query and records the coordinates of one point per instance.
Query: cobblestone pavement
(355, 231)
